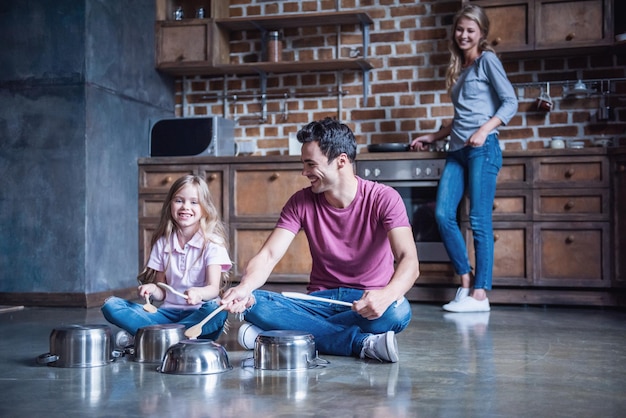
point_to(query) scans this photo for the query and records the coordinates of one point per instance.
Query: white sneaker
(123, 339)
(468, 304)
(461, 292)
(381, 347)
(246, 336)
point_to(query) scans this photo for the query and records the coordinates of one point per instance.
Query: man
(356, 230)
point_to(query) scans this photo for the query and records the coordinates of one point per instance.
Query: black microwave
(210, 136)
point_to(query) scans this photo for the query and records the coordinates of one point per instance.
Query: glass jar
(274, 47)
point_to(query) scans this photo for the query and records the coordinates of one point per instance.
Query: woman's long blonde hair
(211, 226)
(478, 15)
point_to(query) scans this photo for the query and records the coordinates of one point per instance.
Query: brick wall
(408, 48)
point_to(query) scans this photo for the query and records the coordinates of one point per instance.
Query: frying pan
(389, 147)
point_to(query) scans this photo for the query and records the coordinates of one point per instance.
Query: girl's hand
(194, 296)
(146, 289)
(421, 142)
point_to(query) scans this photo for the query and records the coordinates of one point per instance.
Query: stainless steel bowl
(285, 350)
(79, 346)
(195, 357)
(152, 342)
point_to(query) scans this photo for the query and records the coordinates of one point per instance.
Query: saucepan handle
(47, 358)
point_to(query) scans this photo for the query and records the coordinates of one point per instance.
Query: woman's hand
(421, 142)
(476, 140)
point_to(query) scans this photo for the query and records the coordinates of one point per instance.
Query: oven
(416, 180)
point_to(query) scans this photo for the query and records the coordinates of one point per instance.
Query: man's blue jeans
(474, 169)
(131, 316)
(336, 329)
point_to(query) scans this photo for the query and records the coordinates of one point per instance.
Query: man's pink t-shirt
(349, 246)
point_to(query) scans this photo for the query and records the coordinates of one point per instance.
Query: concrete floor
(512, 362)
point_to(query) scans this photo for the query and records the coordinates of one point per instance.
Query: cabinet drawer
(150, 206)
(573, 172)
(572, 23)
(509, 29)
(508, 205)
(572, 254)
(159, 179)
(295, 266)
(590, 205)
(263, 193)
(512, 253)
(514, 173)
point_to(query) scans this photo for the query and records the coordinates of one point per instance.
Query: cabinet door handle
(569, 205)
(495, 205)
(621, 168)
(496, 41)
(570, 173)
(167, 180)
(274, 176)
(496, 237)
(570, 36)
(569, 239)
(212, 177)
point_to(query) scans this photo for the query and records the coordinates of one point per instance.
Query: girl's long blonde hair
(211, 226)
(478, 15)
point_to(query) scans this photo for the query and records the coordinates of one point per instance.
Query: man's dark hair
(333, 136)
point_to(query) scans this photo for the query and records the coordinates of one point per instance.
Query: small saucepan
(80, 346)
(285, 350)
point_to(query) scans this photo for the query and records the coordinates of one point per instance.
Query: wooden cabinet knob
(570, 36)
(495, 205)
(569, 239)
(274, 176)
(167, 180)
(496, 41)
(496, 237)
(569, 205)
(570, 173)
(212, 177)
(621, 168)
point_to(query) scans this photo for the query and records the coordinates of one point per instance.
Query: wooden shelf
(201, 67)
(293, 21)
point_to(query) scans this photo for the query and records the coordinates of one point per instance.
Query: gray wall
(78, 94)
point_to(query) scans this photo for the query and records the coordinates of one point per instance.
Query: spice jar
(274, 47)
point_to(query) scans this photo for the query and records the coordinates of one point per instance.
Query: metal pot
(152, 342)
(80, 346)
(285, 350)
(195, 357)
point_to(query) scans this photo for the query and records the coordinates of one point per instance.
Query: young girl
(483, 100)
(188, 253)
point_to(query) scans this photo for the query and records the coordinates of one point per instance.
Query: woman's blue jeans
(336, 329)
(473, 170)
(131, 316)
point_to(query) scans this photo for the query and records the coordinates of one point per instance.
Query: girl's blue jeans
(471, 170)
(336, 329)
(131, 316)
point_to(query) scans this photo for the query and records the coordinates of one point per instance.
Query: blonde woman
(189, 253)
(483, 99)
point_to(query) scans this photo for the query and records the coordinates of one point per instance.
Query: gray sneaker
(123, 339)
(381, 347)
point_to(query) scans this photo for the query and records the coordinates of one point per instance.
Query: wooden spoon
(305, 296)
(194, 332)
(148, 307)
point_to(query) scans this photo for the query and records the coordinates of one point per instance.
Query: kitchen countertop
(365, 156)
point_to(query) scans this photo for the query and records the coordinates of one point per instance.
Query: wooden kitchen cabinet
(249, 197)
(155, 181)
(558, 220)
(618, 170)
(550, 25)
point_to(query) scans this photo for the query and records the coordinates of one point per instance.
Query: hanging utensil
(194, 332)
(304, 296)
(149, 307)
(171, 289)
